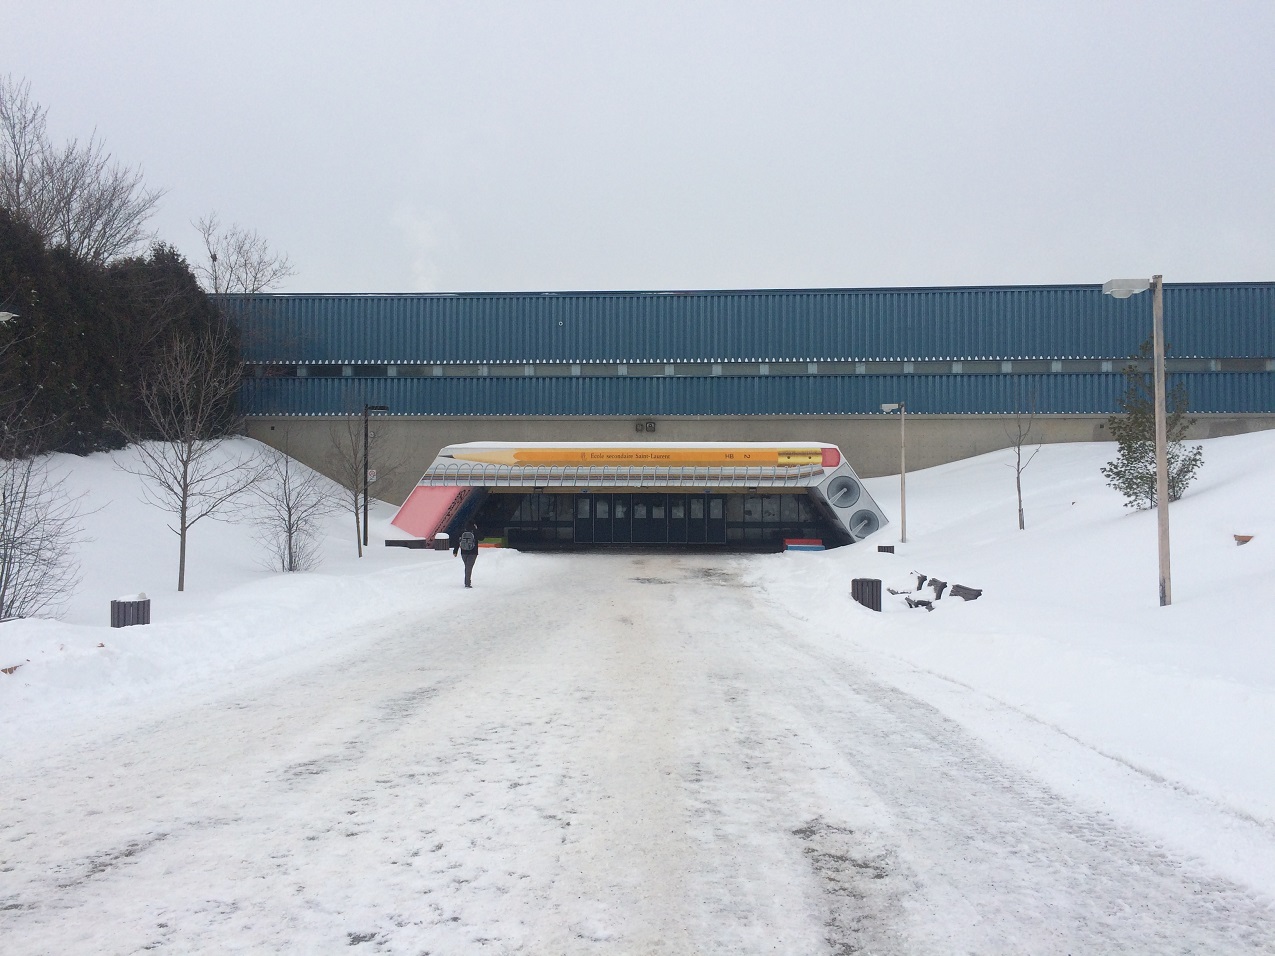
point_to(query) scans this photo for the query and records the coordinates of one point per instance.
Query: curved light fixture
(1123, 288)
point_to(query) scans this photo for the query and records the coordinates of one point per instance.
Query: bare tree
(99, 206)
(23, 145)
(78, 197)
(1019, 437)
(187, 402)
(13, 402)
(39, 519)
(345, 459)
(39, 528)
(20, 437)
(239, 260)
(291, 499)
(345, 464)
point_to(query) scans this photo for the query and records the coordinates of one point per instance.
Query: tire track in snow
(964, 833)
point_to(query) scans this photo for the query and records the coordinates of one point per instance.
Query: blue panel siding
(1222, 320)
(1225, 392)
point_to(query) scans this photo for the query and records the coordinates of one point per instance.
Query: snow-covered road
(612, 754)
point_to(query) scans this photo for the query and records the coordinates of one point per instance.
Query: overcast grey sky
(471, 146)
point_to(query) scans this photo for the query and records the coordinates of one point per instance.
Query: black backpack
(468, 542)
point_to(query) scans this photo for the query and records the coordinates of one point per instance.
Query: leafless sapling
(186, 405)
(78, 196)
(238, 260)
(24, 142)
(290, 500)
(39, 528)
(345, 464)
(1020, 437)
(39, 518)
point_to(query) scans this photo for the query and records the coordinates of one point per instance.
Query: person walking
(467, 547)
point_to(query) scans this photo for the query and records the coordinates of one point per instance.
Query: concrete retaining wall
(404, 446)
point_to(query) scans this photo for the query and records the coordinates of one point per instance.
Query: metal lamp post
(1122, 289)
(903, 468)
(367, 409)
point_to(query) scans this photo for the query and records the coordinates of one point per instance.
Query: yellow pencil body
(641, 455)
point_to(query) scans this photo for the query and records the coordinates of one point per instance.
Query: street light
(902, 409)
(6, 316)
(367, 409)
(1122, 289)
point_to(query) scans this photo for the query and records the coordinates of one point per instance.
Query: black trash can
(126, 612)
(867, 591)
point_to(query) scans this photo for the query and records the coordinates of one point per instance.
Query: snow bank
(1069, 631)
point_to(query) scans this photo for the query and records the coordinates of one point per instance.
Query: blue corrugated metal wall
(1224, 392)
(1221, 320)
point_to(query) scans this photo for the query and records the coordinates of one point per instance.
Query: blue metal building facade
(960, 351)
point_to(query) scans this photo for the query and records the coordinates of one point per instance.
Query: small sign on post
(371, 475)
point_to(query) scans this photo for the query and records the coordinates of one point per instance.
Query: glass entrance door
(715, 524)
(602, 519)
(696, 512)
(650, 519)
(584, 519)
(621, 519)
(677, 530)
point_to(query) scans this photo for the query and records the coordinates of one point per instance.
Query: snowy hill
(235, 612)
(1068, 633)
(1069, 627)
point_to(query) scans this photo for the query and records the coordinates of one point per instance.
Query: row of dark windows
(650, 518)
(702, 370)
(540, 507)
